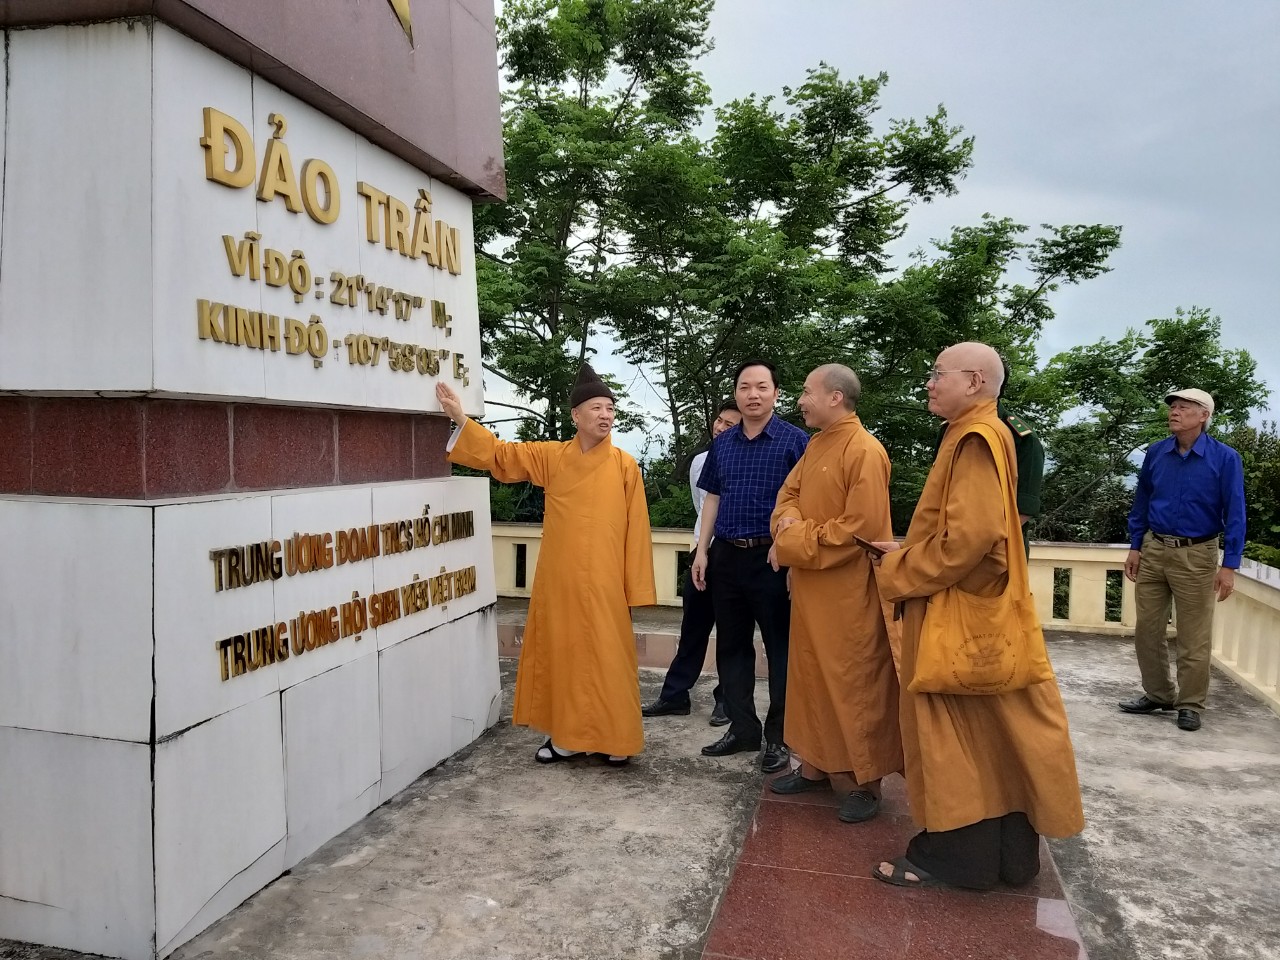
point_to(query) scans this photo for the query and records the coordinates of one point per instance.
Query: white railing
(1091, 596)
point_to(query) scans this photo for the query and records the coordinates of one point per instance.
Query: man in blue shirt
(745, 469)
(1190, 490)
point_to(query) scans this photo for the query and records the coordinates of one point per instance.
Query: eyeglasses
(936, 374)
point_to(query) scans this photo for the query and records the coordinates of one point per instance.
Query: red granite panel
(274, 447)
(87, 447)
(430, 434)
(791, 833)
(773, 913)
(15, 445)
(188, 447)
(374, 446)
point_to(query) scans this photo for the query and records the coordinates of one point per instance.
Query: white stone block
(245, 884)
(4, 147)
(332, 764)
(75, 621)
(321, 512)
(417, 706)
(75, 293)
(476, 683)
(75, 843)
(402, 501)
(219, 810)
(329, 249)
(190, 259)
(412, 391)
(191, 616)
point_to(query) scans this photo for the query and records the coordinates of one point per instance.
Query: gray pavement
(1180, 857)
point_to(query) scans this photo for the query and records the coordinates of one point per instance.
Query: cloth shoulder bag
(984, 645)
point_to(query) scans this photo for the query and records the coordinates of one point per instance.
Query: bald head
(972, 355)
(836, 376)
(964, 375)
(830, 394)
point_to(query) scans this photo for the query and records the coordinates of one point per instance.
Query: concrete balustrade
(1246, 642)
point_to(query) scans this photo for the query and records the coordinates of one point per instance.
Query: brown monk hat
(1194, 396)
(588, 386)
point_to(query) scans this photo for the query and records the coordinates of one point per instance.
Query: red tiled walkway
(802, 890)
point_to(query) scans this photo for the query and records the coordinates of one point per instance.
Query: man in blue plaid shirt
(745, 469)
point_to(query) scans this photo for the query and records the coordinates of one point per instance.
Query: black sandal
(612, 760)
(898, 878)
(555, 757)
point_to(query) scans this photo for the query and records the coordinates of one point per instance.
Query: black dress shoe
(1143, 704)
(730, 744)
(797, 783)
(1188, 719)
(859, 806)
(665, 708)
(718, 717)
(774, 757)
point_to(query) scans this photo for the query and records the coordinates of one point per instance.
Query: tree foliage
(1259, 449)
(595, 85)
(1109, 397)
(628, 229)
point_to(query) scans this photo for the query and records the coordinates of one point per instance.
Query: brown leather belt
(1169, 541)
(747, 542)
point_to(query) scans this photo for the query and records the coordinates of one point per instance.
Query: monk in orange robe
(578, 680)
(842, 688)
(986, 775)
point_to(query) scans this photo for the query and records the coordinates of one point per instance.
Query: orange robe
(972, 758)
(842, 688)
(578, 680)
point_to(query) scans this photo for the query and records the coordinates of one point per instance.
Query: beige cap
(1193, 395)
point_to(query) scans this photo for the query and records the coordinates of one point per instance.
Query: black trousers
(746, 591)
(1004, 849)
(691, 652)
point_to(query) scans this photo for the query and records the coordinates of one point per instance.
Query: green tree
(1112, 393)
(1259, 449)
(594, 86)
(765, 239)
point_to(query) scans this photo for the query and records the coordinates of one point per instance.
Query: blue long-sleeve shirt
(1199, 494)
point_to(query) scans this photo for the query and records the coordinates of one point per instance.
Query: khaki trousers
(1185, 576)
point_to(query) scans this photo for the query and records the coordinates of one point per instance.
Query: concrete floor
(494, 856)
(1180, 858)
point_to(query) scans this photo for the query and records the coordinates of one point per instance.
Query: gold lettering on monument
(230, 159)
(267, 561)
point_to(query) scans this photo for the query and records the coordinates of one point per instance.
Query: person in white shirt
(699, 615)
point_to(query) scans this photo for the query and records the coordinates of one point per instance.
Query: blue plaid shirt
(746, 474)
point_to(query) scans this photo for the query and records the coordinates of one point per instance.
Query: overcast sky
(1160, 116)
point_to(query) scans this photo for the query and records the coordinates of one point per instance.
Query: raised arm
(473, 446)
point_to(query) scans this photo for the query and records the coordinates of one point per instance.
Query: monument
(242, 602)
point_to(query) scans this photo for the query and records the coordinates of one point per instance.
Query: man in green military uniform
(1030, 458)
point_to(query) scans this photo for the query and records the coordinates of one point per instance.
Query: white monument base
(154, 775)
